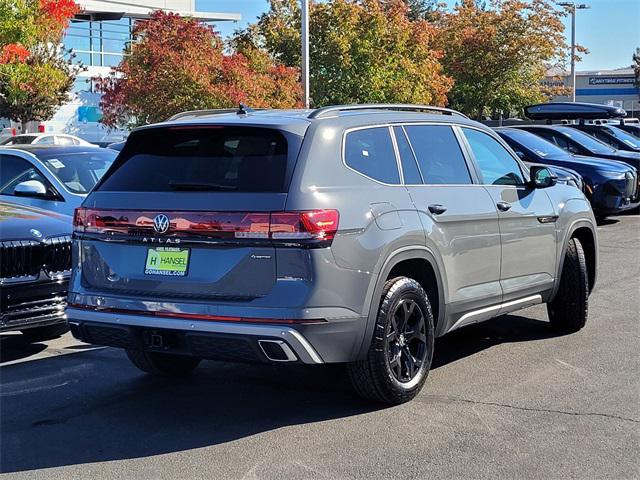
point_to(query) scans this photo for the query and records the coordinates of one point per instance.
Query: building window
(98, 43)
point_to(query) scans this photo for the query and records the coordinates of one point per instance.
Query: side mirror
(30, 188)
(541, 177)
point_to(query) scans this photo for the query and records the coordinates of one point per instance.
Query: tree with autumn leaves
(361, 51)
(498, 55)
(481, 57)
(175, 64)
(34, 78)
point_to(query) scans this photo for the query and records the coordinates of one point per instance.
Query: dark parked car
(631, 126)
(35, 264)
(580, 143)
(610, 186)
(611, 135)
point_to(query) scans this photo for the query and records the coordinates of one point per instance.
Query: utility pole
(572, 7)
(305, 51)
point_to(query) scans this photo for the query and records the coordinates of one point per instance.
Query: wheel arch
(409, 261)
(585, 231)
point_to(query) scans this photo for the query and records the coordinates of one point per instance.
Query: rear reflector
(302, 227)
(197, 316)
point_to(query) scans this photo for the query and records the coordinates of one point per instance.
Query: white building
(98, 35)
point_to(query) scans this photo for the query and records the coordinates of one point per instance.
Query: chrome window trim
(465, 149)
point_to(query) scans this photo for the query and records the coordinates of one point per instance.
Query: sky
(610, 29)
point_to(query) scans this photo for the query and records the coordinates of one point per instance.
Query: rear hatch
(187, 212)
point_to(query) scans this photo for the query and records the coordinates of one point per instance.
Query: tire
(569, 309)
(162, 363)
(399, 357)
(39, 334)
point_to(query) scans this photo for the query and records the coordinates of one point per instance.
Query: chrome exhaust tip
(277, 351)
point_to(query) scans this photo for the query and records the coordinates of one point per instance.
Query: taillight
(313, 227)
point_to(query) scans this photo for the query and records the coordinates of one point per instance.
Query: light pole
(305, 51)
(572, 7)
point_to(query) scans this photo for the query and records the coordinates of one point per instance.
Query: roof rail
(400, 107)
(202, 113)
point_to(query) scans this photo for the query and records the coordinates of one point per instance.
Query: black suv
(35, 264)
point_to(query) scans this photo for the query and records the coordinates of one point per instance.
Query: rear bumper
(311, 344)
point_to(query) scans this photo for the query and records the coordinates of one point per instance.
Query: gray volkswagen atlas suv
(347, 234)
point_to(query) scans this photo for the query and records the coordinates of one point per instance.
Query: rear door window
(201, 158)
(439, 155)
(370, 152)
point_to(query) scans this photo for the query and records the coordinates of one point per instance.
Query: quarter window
(370, 152)
(439, 155)
(497, 165)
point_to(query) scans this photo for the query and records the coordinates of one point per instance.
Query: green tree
(360, 50)
(34, 78)
(498, 54)
(175, 64)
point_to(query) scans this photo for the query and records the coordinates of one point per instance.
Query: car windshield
(79, 171)
(19, 140)
(536, 144)
(625, 137)
(587, 141)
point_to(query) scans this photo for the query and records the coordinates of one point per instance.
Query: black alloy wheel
(406, 340)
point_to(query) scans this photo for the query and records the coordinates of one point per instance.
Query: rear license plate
(168, 261)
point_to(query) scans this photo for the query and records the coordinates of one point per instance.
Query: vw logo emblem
(161, 223)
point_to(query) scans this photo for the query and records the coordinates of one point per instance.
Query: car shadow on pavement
(602, 222)
(93, 406)
(475, 338)
(16, 347)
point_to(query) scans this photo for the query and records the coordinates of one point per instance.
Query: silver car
(347, 234)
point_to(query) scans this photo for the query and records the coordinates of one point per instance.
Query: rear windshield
(201, 158)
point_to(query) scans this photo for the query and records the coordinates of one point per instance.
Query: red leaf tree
(175, 64)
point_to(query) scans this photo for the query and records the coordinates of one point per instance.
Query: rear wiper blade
(200, 186)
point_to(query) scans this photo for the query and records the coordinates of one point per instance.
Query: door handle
(437, 209)
(503, 206)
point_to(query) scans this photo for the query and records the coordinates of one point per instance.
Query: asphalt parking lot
(505, 399)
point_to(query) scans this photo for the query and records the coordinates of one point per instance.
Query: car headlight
(612, 175)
